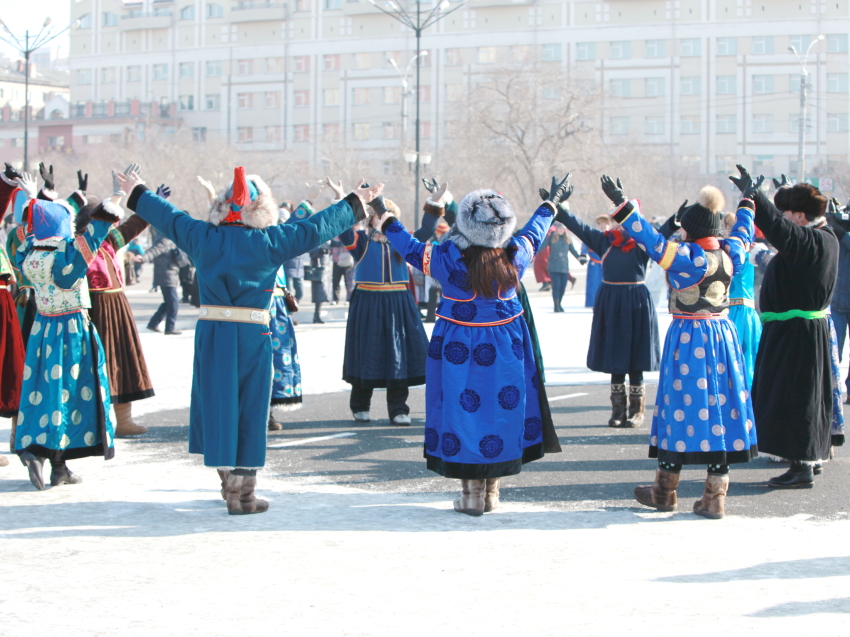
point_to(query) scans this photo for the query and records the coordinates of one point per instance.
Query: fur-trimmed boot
(124, 417)
(637, 406)
(471, 500)
(662, 494)
(240, 498)
(491, 496)
(222, 474)
(712, 505)
(618, 405)
(60, 474)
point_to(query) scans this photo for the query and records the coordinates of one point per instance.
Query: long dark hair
(490, 270)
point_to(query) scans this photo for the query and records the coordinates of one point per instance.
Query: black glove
(779, 184)
(745, 183)
(163, 191)
(559, 190)
(431, 186)
(11, 173)
(82, 181)
(613, 191)
(583, 259)
(378, 205)
(47, 176)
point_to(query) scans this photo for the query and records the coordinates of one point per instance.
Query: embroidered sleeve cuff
(749, 204)
(433, 208)
(83, 246)
(389, 221)
(669, 255)
(353, 243)
(133, 199)
(356, 206)
(622, 213)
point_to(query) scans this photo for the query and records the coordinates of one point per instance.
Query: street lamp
(25, 48)
(404, 92)
(804, 77)
(418, 22)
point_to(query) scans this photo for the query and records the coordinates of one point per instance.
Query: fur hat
(801, 198)
(704, 219)
(484, 218)
(247, 201)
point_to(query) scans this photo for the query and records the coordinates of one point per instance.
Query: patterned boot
(491, 497)
(713, 502)
(239, 495)
(637, 405)
(471, 500)
(662, 494)
(618, 404)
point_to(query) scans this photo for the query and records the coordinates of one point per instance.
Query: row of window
(726, 85)
(725, 124)
(359, 131)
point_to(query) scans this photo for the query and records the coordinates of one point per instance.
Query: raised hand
(11, 173)
(208, 187)
(679, 212)
(367, 193)
(339, 193)
(780, 184)
(314, 189)
(47, 176)
(560, 190)
(27, 183)
(745, 182)
(430, 186)
(133, 168)
(82, 180)
(126, 182)
(442, 194)
(614, 191)
(163, 191)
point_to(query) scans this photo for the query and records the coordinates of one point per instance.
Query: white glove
(28, 184)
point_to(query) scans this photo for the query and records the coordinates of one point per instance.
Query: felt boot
(240, 498)
(618, 404)
(60, 474)
(274, 425)
(34, 466)
(712, 505)
(662, 494)
(126, 427)
(471, 500)
(222, 474)
(637, 406)
(491, 497)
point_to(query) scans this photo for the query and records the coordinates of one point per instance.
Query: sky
(20, 16)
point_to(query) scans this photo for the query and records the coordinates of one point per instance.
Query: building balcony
(258, 11)
(137, 21)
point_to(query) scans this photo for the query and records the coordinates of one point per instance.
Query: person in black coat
(166, 275)
(793, 385)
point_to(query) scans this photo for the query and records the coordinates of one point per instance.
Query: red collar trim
(708, 243)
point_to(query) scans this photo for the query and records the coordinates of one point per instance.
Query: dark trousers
(842, 321)
(168, 308)
(559, 285)
(361, 400)
(297, 284)
(434, 295)
(338, 277)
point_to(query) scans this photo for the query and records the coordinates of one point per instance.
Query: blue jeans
(559, 285)
(167, 310)
(842, 321)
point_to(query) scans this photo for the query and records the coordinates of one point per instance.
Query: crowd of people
(738, 375)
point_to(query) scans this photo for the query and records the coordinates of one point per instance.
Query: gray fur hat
(484, 218)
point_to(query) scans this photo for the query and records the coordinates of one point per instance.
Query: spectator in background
(541, 269)
(840, 306)
(165, 257)
(342, 263)
(594, 263)
(560, 247)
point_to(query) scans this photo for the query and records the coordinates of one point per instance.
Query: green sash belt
(784, 316)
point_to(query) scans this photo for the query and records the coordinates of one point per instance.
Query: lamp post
(25, 48)
(405, 93)
(417, 22)
(804, 77)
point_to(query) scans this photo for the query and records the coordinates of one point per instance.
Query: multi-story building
(709, 82)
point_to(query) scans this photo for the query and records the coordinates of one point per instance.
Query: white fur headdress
(484, 218)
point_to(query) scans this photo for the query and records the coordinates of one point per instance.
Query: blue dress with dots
(703, 411)
(481, 393)
(286, 379)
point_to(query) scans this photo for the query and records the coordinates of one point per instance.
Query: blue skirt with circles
(286, 380)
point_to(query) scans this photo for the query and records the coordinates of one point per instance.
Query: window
(621, 50)
(424, 130)
(186, 102)
(246, 134)
(689, 125)
(836, 122)
(87, 139)
(454, 92)
(763, 45)
(333, 5)
(245, 100)
(85, 21)
(392, 95)
(199, 134)
(214, 68)
(160, 72)
(620, 125)
(391, 130)
(187, 70)
(424, 93)
(656, 86)
(302, 6)
(302, 133)
(330, 97)
(689, 48)
(522, 53)
(762, 84)
(245, 67)
(836, 43)
(302, 63)
(656, 48)
(654, 125)
(727, 46)
(212, 102)
(134, 73)
(274, 65)
(273, 134)
(801, 42)
(330, 131)
(361, 96)
(453, 57)
(362, 130)
(332, 62)
(836, 82)
(273, 99)
(726, 85)
(110, 19)
(107, 75)
(621, 88)
(215, 11)
(84, 76)
(794, 123)
(362, 61)
(188, 12)
(551, 52)
(690, 85)
(727, 124)
(586, 51)
(763, 123)
(302, 99)
(486, 54)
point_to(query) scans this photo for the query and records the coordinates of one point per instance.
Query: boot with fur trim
(471, 501)
(662, 494)
(618, 405)
(222, 474)
(712, 505)
(491, 497)
(240, 498)
(637, 406)
(125, 426)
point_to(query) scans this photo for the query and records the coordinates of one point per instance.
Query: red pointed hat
(242, 192)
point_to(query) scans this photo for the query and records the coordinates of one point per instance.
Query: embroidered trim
(118, 238)
(84, 249)
(382, 287)
(22, 233)
(493, 324)
(623, 282)
(460, 300)
(669, 256)
(700, 317)
(747, 302)
(426, 259)
(353, 245)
